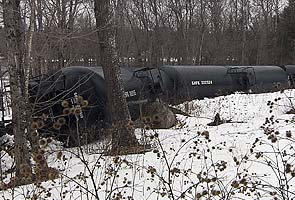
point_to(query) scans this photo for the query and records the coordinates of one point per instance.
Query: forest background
(157, 32)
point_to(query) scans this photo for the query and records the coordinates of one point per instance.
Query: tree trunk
(29, 45)
(156, 48)
(17, 72)
(122, 132)
(39, 15)
(202, 31)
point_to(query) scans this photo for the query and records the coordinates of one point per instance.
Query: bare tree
(153, 32)
(18, 78)
(123, 132)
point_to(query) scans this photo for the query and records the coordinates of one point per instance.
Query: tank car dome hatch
(268, 78)
(243, 78)
(195, 82)
(151, 78)
(290, 69)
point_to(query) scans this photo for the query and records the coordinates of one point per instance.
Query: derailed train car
(182, 83)
(76, 97)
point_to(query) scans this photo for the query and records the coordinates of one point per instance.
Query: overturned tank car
(75, 98)
(184, 83)
(72, 103)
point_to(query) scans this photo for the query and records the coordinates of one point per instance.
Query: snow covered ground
(250, 157)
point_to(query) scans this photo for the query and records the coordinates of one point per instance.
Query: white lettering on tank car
(205, 82)
(195, 82)
(130, 93)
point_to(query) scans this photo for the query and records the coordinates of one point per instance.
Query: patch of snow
(189, 159)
